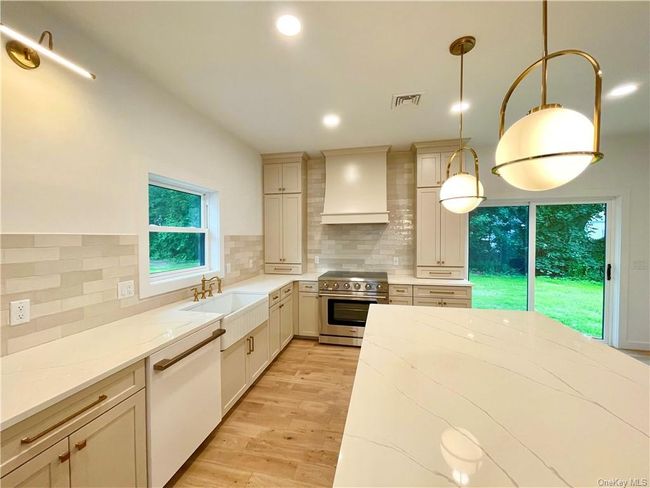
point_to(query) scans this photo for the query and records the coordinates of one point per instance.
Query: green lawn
(163, 266)
(578, 304)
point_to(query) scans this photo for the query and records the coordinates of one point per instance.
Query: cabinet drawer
(274, 297)
(400, 300)
(442, 291)
(286, 291)
(35, 434)
(283, 268)
(400, 290)
(308, 286)
(442, 302)
(440, 272)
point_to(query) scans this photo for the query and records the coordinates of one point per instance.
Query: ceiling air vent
(405, 99)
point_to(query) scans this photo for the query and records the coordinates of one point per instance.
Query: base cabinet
(242, 363)
(50, 469)
(95, 458)
(274, 331)
(308, 317)
(286, 321)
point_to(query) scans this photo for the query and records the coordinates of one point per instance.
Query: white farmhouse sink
(243, 312)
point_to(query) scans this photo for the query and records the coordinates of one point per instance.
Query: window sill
(152, 287)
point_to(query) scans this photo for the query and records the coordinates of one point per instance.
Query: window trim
(152, 284)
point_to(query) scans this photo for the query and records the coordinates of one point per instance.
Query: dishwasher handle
(163, 364)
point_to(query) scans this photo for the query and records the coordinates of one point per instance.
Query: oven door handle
(357, 298)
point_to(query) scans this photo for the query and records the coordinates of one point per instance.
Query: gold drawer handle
(433, 292)
(29, 440)
(440, 272)
(80, 445)
(275, 297)
(309, 286)
(281, 269)
(163, 364)
(400, 290)
(288, 291)
(64, 457)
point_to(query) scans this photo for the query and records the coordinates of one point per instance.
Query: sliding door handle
(609, 272)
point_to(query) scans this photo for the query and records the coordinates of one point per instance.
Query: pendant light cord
(545, 44)
(460, 137)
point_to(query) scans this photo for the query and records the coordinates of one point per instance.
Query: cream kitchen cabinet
(274, 331)
(441, 241)
(282, 178)
(286, 321)
(308, 316)
(110, 450)
(285, 212)
(96, 437)
(49, 469)
(242, 363)
(432, 169)
(283, 229)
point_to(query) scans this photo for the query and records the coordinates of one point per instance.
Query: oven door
(345, 315)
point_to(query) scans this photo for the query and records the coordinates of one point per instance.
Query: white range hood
(355, 186)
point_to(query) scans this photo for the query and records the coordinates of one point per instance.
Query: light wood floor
(286, 431)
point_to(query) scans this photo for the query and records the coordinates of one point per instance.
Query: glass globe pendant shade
(458, 193)
(545, 136)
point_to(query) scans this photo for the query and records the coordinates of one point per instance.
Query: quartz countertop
(412, 280)
(34, 379)
(466, 397)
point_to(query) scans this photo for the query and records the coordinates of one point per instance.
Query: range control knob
(368, 286)
(379, 287)
(346, 285)
(357, 286)
(324, 285)
(335, 285)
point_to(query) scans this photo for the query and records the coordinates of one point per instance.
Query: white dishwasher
(183, 400)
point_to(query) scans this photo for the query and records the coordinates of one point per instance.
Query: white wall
(624, 173)
(76, 153)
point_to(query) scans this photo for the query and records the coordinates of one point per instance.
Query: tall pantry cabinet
(285, 212)
(441, 242)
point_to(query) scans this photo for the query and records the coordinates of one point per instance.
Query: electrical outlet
(395, 260)
(317, 260)
(19, 312)
(125, 289)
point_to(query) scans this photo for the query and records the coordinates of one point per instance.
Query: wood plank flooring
(286, 431)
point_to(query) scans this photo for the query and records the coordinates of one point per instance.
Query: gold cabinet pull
(29, 440)
(80, 445)
(252, 343)
(64, 457)
(163, 364)
(440, 272)
(436, 292)
(275, 268)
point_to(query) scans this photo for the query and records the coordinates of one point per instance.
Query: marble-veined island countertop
(466, 397)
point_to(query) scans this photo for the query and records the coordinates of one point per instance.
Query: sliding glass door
(551, 258)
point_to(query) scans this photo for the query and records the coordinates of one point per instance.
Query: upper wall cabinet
(283, 173)
(285, 212)
(432, 160)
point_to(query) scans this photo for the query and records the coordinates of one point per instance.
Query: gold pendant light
(462, 192)
(551, 145)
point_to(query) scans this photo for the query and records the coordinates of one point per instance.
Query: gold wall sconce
(27, 53)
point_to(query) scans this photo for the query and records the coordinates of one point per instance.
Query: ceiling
(227, 61)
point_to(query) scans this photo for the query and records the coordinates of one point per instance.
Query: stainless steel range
(345, 298)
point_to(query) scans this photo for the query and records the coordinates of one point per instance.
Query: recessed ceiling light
(623, 90)
(459, 107)
(331, 120)
(289, 25)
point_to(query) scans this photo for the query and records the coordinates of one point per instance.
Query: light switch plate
(125, 289)
(19, 312)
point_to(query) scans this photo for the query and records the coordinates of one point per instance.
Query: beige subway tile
(51, 294)
(128, 239)
(30, 255)
(79, 277)
(17, 270)
(57, 240)
(4, 318)
(101, 262)
(60, 266)
(81, 301)
(100, 285)
(31, 340)
(47, 308)
(120, 251)
(6, 299)
(103, 309)
(128, 260)
(129, 302)
(119, 272)
(60, 318)
(108, 295)
(100, 240)
(16, 240)
(17, 285)
(82, 252)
